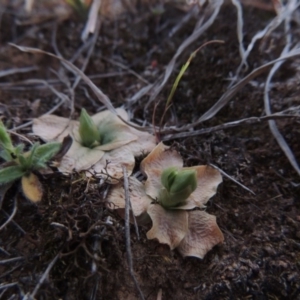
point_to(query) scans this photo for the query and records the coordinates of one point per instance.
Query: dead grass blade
(15, 224)
(92, 20)
(284, 146)
(143, 91)
(182, 22)
(283, 13)
(232, 179)
(10, 260)
(24, 85)
(213, 9)
(6, 286)
(272, 124)
(16, 71)
(231, 92)
(100, 95)
(240, 24)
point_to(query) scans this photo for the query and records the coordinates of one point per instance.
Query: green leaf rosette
(177, 186)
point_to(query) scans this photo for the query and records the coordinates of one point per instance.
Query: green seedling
(177, 186)
(89, 133)
(19, 164)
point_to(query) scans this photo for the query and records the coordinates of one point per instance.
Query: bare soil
(72, 227)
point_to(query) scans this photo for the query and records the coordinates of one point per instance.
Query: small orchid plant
(169, 197)
(20, 164)
(97, 140)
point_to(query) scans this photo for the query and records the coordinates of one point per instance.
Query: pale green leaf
(5, 140)
(43, 153)
(89, 133)
(10, 174)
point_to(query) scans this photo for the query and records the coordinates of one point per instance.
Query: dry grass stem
(205, 21)
(127, 233)
(10, 260)
(231, 92)
(90, 51)
(29, 85)
(11, 216)
(246, 121)
(14, 223)
(232, 179)
(16, 71)
(130, 71)
(273, 127)
(240, 25)
(43, 278)
(283, 14)
(100, 95)
(90, 26)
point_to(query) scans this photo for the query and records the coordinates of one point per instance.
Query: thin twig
(8, 285)
(180, 23)
(116, 63)
(16, 71)
(11, 216)
(11, 270)
(15, 223)
(246, 121)
(22, 85)
(231, 178)
(10, 260)
(80, 50)
(22, 137)
(89, 54)
(127, 233)
(95, 287)
(52, 110)
(61, 96)
(84, 234)
(43, 278)
(135, 222)
(4, 251)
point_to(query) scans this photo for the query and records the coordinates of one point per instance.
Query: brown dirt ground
(260, 258)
